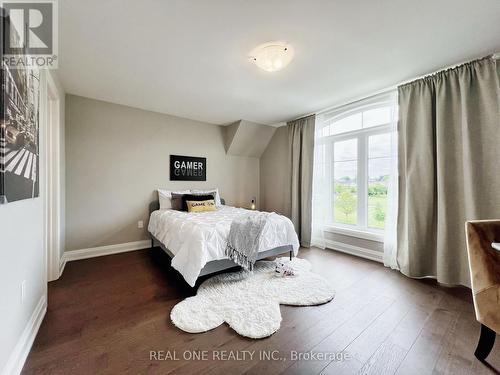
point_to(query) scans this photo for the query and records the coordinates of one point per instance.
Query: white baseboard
(105, 250)
(362, 252)
(18, 356)
(62, 264)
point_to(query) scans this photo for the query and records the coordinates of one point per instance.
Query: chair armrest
(484, 259)
(496, 245)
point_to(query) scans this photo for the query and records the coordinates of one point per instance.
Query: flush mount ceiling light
(272, 56)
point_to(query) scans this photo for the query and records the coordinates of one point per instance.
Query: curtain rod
(495, 56)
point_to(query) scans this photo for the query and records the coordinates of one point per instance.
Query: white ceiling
(189, 58)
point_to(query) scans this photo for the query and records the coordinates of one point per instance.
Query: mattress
(198, 238)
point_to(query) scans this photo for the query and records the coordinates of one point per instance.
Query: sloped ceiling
(245, 138)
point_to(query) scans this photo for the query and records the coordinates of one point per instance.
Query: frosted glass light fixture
(272, 56)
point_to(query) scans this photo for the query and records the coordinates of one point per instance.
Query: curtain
(449, 155)
(301, 140)
(322, 189)
(390, 229)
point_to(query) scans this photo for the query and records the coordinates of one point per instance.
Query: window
(355, 145)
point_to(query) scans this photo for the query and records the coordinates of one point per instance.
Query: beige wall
(275, 174)
(117, 156)
(245, 138)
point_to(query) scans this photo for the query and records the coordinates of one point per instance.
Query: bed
(196, 241)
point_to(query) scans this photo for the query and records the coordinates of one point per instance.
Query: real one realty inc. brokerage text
(245, 355)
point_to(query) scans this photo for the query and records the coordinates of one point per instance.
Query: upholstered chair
(483, 246)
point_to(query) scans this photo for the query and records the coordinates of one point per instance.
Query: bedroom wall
(245, 138)
(275, 174)
(116, 158)
(22, 259)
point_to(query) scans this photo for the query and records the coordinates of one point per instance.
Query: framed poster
(188, 168)
(19, 134)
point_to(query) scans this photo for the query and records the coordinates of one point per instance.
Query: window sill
(366, 235)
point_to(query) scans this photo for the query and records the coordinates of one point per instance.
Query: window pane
(345, 171)
(378, 177)
(376, 116)
(379, 145)
(345, 150)
(346, 198)
(347, 124)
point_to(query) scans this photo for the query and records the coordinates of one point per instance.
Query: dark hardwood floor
(106, 314)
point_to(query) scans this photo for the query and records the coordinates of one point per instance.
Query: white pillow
(165, 198)
(210, 191)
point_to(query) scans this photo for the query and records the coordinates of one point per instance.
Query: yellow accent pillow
(201, 206)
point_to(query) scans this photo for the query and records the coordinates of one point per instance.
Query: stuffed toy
(284, 268)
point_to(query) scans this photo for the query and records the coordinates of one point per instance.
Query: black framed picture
(188, 168)
(19, 133)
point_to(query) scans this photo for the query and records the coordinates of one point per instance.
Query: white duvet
(198, 238)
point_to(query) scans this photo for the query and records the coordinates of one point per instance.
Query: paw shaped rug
(249, 301)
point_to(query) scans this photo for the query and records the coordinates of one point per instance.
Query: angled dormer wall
(245, 138)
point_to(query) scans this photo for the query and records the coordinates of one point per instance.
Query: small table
(496, 245)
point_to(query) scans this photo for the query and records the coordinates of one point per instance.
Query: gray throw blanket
(243, 240)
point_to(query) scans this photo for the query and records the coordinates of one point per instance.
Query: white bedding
(198, 238)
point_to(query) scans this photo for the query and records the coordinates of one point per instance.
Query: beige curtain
(301, 139)
(449, 167)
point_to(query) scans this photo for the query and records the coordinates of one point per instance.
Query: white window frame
(361, 229)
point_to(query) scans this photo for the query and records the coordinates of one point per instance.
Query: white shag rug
(249, 301)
